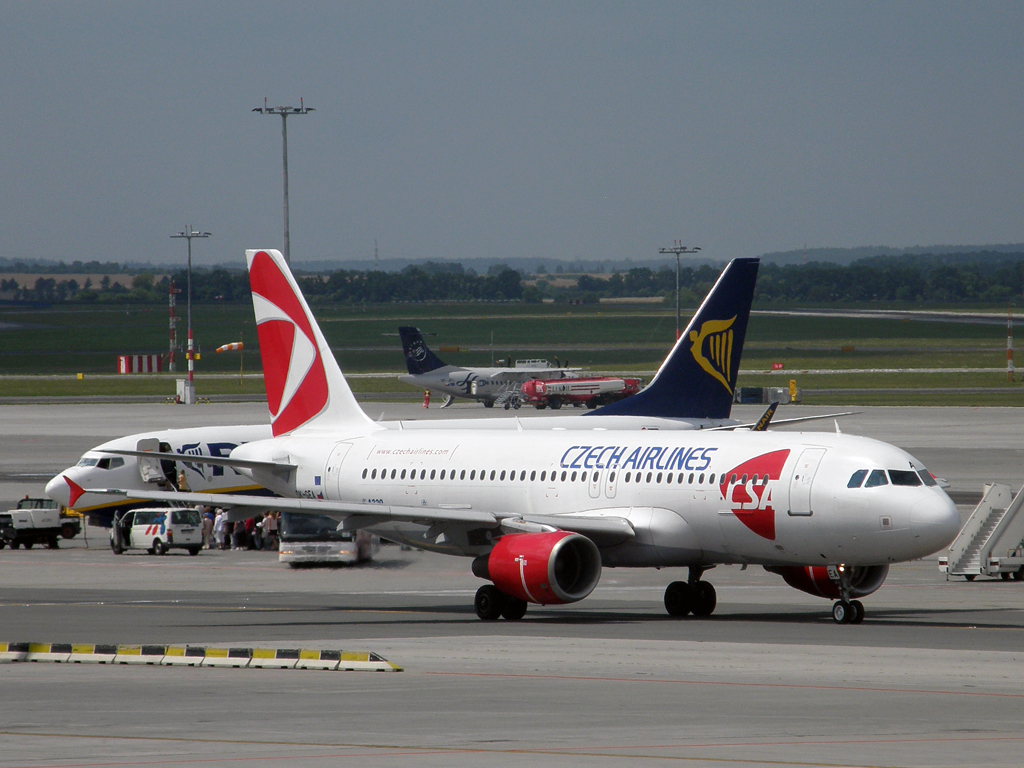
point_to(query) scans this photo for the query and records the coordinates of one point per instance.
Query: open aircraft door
(803, 478)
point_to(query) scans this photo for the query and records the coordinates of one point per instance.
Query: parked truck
(590, 391)
(37, 521)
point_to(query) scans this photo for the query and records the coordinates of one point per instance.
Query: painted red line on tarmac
(844, 688)
(255, 758)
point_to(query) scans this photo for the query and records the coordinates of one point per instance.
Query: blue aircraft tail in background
(418, 358)
(698, 377)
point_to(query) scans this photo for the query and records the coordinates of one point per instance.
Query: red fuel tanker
(593, 391)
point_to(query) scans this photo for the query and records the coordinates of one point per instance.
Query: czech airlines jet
(542, 512)
(486, 385)
(683, 395)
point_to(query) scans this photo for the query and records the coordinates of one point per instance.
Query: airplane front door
(800, 485)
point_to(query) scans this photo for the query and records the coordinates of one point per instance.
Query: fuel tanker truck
(590, 391)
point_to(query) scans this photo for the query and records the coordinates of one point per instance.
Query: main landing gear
(692, 596)
(492, 604)
(845, 610)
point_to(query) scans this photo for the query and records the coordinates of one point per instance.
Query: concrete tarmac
(934, 676)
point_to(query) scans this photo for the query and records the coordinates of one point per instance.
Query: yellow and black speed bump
(197, 656)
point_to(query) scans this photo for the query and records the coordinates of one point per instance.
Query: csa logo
(712, 349)
(293, 371)
(748, 489)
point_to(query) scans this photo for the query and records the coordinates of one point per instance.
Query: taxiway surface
(935, 675)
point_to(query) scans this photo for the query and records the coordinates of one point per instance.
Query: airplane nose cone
(58, 490)
(935, 521)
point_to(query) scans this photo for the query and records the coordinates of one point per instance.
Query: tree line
(875, 280)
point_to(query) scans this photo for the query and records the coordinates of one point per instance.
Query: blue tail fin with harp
(698, 378)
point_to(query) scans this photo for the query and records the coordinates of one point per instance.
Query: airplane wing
(358, 515)
(751, 425)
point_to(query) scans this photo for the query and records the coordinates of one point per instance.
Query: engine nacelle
(814, 579)
(545, 568)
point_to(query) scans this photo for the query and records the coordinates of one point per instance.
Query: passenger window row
(879, 477)
(554, 476)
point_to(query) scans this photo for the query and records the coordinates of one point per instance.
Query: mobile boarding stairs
(990, 543)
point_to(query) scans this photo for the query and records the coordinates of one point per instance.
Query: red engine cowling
(814, 579)
(545, 568)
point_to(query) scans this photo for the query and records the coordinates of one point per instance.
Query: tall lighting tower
(678, 249)
(285, 113)
(189, 234)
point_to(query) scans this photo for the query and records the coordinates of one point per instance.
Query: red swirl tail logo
(292, 368)
(748, 490)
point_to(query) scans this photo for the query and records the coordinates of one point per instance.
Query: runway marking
(611, 751)
(788, 686)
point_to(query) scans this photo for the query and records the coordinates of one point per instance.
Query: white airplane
(486, 385)
(692, 390)
(542, 512)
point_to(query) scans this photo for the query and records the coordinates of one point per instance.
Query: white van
(157, 529)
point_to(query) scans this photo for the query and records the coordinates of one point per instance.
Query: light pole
(678, 249)
(285, 112)
(188, 234)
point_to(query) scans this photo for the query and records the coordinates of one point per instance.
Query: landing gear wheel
(488, 403)
(705, 599)
(843, 612)
(159, 548)
(488, 602)
(678, 599)
(858, 608)
(514, 608)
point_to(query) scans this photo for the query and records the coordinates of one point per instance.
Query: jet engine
(814, 579)
(546, 568)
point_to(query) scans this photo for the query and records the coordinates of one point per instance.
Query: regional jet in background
(542, 512)
(487, 385)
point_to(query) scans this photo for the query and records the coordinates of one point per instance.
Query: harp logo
(293, 372)
(712, 349)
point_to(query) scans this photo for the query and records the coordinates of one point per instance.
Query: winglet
(305, 386)
(698, 378)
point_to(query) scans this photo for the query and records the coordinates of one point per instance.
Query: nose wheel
(848, 612)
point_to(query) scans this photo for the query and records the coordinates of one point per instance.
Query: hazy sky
(457, 130)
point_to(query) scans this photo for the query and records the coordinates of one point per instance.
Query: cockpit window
(87, 462)
(876, 478)
(904, 477)
(857, 478)
(926, 477)
(117, 461)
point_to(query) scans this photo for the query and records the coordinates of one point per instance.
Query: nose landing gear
(845, 610)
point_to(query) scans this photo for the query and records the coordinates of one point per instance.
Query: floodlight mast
(189, 234)
(678, 249)
(285, 113)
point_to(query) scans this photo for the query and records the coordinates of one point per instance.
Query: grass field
(52, 345)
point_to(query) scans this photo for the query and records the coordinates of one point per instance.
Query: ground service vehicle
(157, 529)
(37, 521)
(592, 391)
(311, 539)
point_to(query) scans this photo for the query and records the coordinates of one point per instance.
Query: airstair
(990, 543)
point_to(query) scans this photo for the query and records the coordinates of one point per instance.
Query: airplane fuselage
(692, 498)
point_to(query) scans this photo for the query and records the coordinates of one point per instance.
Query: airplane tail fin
(418, 357)
(698, 378)
(305, 386)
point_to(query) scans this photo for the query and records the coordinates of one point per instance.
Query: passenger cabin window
(904, 477)
(876, 478)
(926, 477)
(857, 478)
